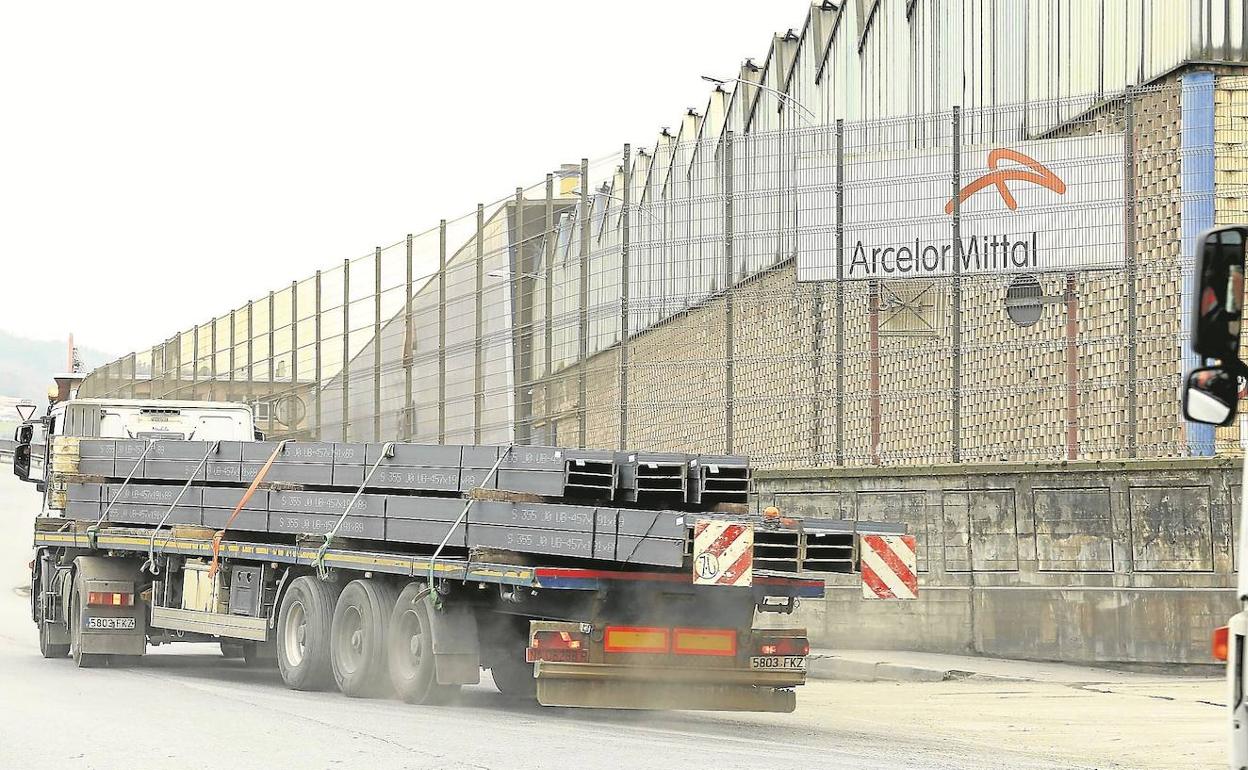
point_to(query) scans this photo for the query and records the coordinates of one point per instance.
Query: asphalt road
(185, 707)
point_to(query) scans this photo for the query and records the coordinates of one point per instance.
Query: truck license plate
(778, 663)
(110, 624)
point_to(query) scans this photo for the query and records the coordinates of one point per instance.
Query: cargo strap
(251, 490)
(150, 564)
(463, 515)
(94, 530)
(387, 451)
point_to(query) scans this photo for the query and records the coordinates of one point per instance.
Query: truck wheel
(231, 650)
(357, 640)
(260, 654)
(81, 659)
(303, 624)
(410, 651)
(513, 676)
(46, 648)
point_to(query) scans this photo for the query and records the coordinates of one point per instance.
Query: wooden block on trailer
(504, 496)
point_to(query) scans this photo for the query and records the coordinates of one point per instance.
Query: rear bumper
(599, 685)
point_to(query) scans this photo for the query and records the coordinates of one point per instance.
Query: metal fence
(998, 284)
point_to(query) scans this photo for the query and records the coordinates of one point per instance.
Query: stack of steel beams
(622, 507)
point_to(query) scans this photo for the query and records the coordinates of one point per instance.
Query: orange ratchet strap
(251, 490)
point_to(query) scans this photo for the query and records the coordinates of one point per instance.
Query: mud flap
(456, 647)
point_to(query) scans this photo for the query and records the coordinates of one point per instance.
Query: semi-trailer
(588, 578)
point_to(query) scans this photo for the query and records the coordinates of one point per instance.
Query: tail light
(1221, 642)
(109, 599)
(558, 646)
(784, 645)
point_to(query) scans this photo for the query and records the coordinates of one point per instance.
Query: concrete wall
(1124, 562)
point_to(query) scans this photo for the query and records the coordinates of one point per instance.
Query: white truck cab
(1211, 396)
(126, 419)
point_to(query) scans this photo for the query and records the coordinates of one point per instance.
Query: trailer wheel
(410, 651)
(513, 676)
(358, 638)
(260, 654)
(231, 650)
(303, 625)
(47, 647)
(81, 659)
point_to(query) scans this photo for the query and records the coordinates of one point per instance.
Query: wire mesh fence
(970, 286)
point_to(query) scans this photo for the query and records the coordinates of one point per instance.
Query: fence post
(377, 343)
(840, 291)
(625, 273)
(250, 360)
(442, 332)
(346, 349)
(317, 368)
(582, 395)
(212, 389)
(272, 365)
(478, 344)
(1130, 275)
(409, 417)
(231, 391)
(294, 393)
(548, 388)
(729, 339)
(522, 317)
(955, 395)
(194, 363)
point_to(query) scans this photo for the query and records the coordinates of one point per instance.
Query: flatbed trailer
(623, 606)
(588, 645)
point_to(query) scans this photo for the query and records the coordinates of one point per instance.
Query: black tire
(358, 638)
(259, 654)
(81, 659)
(513, 676)
(409, 648)
(232, 650)
(303, 624)
(46, 647)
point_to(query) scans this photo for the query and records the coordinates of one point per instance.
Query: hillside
(27, 366)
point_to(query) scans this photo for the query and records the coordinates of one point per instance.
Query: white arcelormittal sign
(1054, 205)
(723, 553)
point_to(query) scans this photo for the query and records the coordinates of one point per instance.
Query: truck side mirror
(1218, 302)
(21, 453)
(1210, 396)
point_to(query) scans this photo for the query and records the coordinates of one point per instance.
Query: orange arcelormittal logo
(1037, 174)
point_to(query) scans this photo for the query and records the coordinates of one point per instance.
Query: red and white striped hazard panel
(723, 553)
(888, 567)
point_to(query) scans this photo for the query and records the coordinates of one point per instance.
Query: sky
(162, 163)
